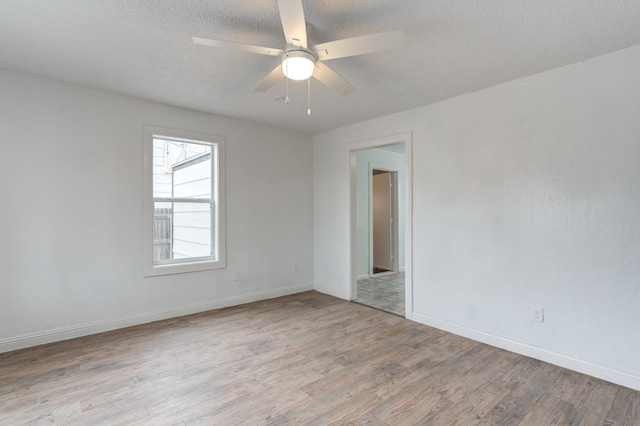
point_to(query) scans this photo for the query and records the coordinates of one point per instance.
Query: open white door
(383, 222)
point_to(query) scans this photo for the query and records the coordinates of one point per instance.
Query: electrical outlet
(236, 276)
(537, 314)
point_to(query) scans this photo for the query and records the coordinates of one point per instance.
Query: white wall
(396, 161)
(525, 195)
(71, 238)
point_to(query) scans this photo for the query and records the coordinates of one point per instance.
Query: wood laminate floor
(302, 359)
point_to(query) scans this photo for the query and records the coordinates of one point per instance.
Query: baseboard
(622, 378)
(362, 277)
(65, 333)
(332, 292)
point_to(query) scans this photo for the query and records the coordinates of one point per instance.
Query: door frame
(394, 213)
(406, 139)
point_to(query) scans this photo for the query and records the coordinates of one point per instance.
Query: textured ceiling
(143, 48)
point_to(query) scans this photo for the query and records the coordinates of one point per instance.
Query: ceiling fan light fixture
(298, 64)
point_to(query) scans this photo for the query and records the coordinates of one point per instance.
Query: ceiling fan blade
(293, 24)
(332, 79)
(272, 78)
(358, 45)
(237, 46)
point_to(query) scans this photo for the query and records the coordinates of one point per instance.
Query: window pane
(181, 169)
(181, 231)
(162, 217)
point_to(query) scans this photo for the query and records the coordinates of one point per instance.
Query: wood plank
(624, 410)
(595, 402)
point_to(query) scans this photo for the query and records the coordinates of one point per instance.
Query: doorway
(379, 226)
(383, 205)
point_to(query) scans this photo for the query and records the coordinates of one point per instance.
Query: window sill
(182, 268)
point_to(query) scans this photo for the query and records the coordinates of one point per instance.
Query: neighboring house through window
(184, 201)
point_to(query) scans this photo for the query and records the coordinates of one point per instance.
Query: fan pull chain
(308, 96)
(286, 90)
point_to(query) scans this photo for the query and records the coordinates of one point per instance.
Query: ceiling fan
(299, 61)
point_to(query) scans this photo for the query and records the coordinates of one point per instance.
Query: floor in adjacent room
(309, 359)
(383, 291)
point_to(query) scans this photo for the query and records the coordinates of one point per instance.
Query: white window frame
(218, 243)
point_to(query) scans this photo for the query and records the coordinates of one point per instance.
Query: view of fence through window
(182, 201)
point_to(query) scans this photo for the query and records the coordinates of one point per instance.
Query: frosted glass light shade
(298, 64)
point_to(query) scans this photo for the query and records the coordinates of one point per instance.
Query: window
(183, 201)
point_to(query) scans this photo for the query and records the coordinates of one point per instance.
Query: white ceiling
(143, 48)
